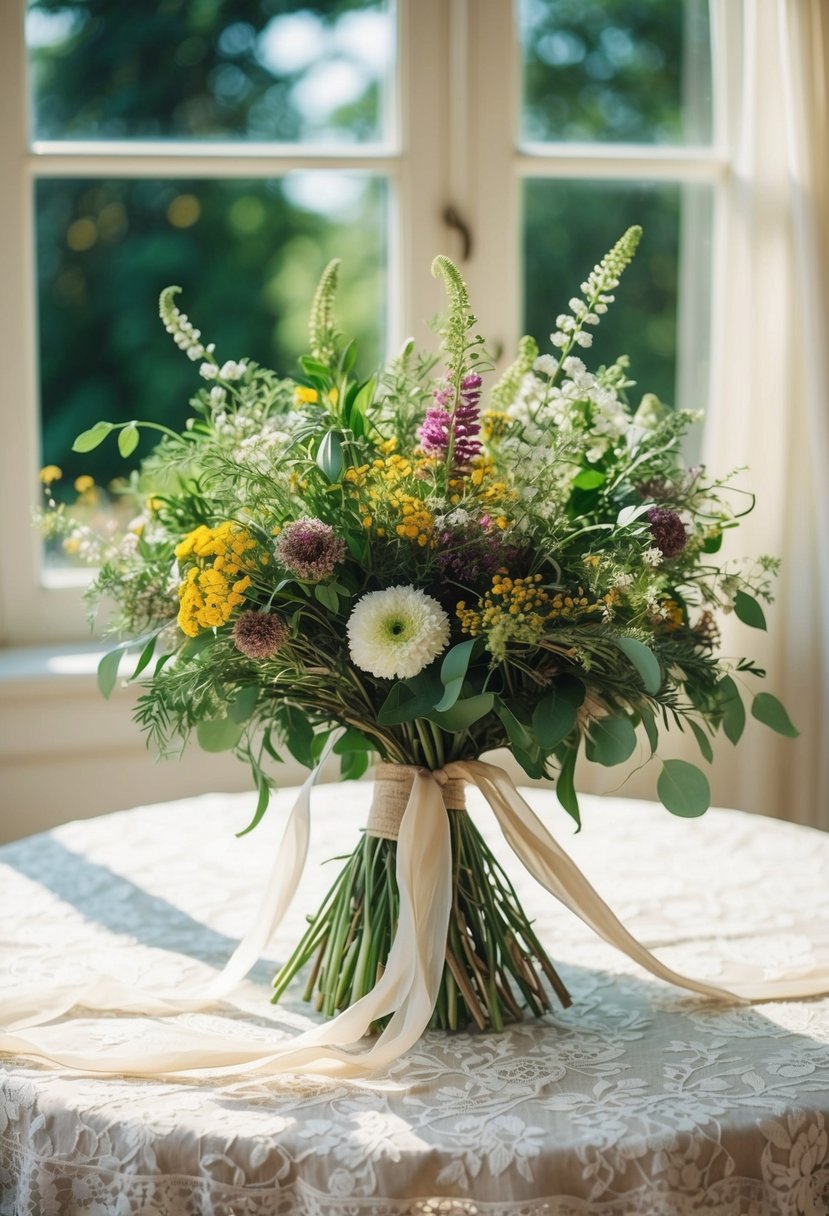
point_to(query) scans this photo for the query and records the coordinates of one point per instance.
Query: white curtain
(770, 400)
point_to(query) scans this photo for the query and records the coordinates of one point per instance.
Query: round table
(641, 1098)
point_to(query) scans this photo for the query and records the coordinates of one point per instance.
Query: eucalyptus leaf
(644, 660)
(651, 729)
(683, 789)
(628, 515)
(771, 712)
(353, 740)
(553, 719)
(610, 741)
(703, 742)
(353, 765)
(749, 611)
(218, 734)
(144, 657)
(565, 783)
(518, 734)
(243, 704)
(463, 713)
(108, 670)
(734, 714)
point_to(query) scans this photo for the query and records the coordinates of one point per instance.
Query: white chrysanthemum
(396, 632)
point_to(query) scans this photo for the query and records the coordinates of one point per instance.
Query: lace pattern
(641, 1098)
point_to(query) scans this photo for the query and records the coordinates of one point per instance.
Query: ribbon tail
(558, 873)
(33, 1005)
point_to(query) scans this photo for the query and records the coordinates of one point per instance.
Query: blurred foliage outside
(248, 252)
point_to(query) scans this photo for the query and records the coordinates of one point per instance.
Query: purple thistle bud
(309, 549)
(667, 530)
(259, 635)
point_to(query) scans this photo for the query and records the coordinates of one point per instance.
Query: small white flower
(396, 632)
(652, 556)
(583, 339)
(546, 365)
(208, 371)
(231, 370)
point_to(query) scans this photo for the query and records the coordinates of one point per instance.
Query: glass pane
(658, 319)
(283, 70)
(247, 255)
(616, 71)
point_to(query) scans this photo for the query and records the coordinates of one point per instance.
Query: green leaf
(565, 783)
(463, 713)
(194, 646)
(353, 741)
(734, 714)
(264, 785)
(87, 441)
(353, 765)
(243, 704)
(553, 719)
(128, 439)
(327, 596)
(749, 610)
(532, 763)
(218, 734)
(108, 670)
(628, 515)
(313, 367)
(411, 699)
(610, 741)
(363, 398)
(144, 657)
(768, 710)
(683, 789)
(518, 734)
(589, 479)
(703, 742)
(712, 543)
(644, 660)
(299, 736)
(330, 455)
(651, 729)
(347, 358)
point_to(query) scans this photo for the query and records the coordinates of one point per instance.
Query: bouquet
(418, 568)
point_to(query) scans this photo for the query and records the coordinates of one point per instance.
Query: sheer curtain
(770, 398)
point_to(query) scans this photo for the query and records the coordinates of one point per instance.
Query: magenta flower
(460, 429)
(309, 549)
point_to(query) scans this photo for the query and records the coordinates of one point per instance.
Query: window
(233, 146)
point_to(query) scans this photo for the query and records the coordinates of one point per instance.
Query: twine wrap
(392, 788)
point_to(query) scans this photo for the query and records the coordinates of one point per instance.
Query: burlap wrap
(392, 787)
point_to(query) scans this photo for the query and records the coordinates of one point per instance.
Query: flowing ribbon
(407, 989)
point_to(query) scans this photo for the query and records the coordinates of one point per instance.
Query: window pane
(312, 70)
(247, 254)
(658, 320)
(616, 71)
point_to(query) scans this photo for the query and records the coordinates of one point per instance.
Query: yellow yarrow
(84, 483)
(228, 544)
(50, 473)
(519, 610)
(208, 598)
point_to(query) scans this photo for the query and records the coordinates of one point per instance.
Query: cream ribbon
(407, 989)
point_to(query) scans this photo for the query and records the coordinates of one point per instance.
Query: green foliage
(683, 789)
(321, 332)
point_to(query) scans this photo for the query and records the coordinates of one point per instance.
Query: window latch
(453, 219)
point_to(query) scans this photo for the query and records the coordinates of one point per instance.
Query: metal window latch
(453, 219)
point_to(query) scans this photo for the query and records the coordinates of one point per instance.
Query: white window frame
(454, 140)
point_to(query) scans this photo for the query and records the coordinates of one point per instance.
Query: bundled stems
(495, 967)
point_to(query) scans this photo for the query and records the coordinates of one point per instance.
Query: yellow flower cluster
(494, 425)
(519, 609)
(207, 599)
(670, 616)
(384, 495)
(227, 544)
(209, 594)
(309, 396)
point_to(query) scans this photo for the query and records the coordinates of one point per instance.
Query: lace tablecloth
(641, 1098)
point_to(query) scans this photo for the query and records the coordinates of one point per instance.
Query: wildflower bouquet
(404, 569)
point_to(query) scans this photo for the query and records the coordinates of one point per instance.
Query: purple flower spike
(309, 549)
(461, 428)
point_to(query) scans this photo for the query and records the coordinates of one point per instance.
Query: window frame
(454, 139)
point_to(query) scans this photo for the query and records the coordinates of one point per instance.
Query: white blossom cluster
(251, 434)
